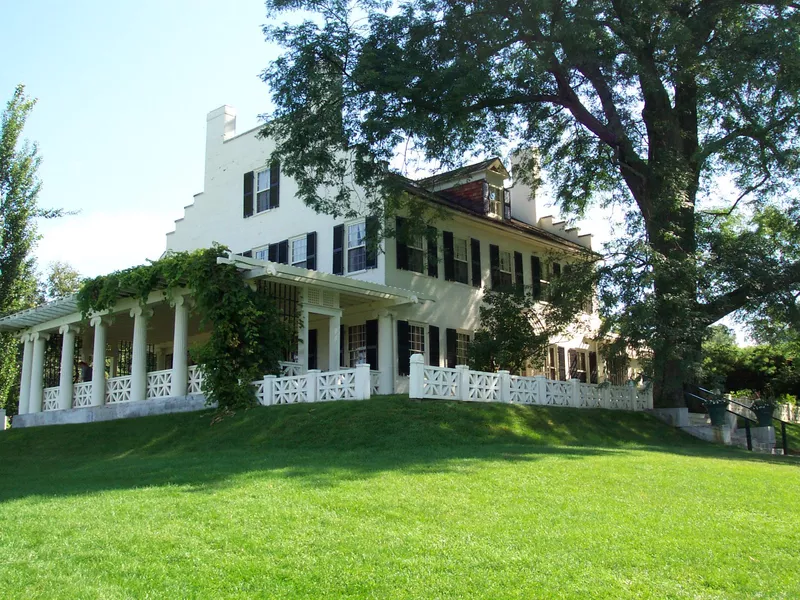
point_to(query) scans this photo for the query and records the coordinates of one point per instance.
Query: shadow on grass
(322, 444)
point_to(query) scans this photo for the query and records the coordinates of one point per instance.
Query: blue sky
(123, 90)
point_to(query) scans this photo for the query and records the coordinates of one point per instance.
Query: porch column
(180, 368)
(25, 376)
(385, 353)
(99, 361)
(139, 354)
(334, 342)
(65, 382)
(37, 372)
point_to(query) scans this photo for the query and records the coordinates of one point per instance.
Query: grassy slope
(392, 498)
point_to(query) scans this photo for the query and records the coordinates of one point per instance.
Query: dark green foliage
(248, 335)
(646, 104)
(772, 371)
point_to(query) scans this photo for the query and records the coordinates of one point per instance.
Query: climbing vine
(248, 335)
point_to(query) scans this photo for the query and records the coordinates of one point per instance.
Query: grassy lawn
(393, 499)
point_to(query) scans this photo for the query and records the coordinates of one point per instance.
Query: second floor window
(416, 254)
(299, 252)
(262, 254)
(460, 261)
(356, 247)
(506, 268)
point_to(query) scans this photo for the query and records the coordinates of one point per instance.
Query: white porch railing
(374, 382)
(315, 386)
(159, 384)
(82, 394)
(50, 400)
(118, 389)
(290, 369)
(195, 380)
(477, 386)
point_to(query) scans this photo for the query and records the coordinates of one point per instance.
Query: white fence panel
(260, 386)
(557, 393)
(440, 383)
(159, 384)
(290, 390)
(290, 369)
(336, 385)
(195, 380)
(82, 394)
(374, 382)
(619, 397)
(118, 389)
(589, 395)
(524, 390)
(484, 387)
(50, 400)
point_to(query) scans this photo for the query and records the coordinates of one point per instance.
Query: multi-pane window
(356, 247)
(262, 191)
(577, 367)
(262, 254)
(416, 254)
(357, 344)
(495, 200)
(460, 261)
(462, 348)
(299, 252)
(552, 363)
(416, 339)
(506, 268)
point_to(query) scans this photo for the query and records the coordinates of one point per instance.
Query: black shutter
(536, 277)
(371, 226)
(273, 253)
(283, 252)
(452, 352)
(247, 254)
(475, 247)
(486, 205)
(449, 266)
(556, 270)
(312, 349)
(338, 250)
(342, 357)
(593, 367)
(247, 198)
(433, 252)
(518, 276)
(274, 184)
(562, 364)
(311, 250)
(372, 344)
(433, 346)
(402, 248)
(494, 265)
(403, 352)
(573, 364)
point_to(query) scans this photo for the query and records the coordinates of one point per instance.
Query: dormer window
(496, 201)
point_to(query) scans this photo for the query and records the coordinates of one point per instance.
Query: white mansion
(416, 297)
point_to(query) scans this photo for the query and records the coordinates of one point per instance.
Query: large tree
(685, 113)
(19, 188)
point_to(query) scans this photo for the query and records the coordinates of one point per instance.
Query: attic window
(495, 196)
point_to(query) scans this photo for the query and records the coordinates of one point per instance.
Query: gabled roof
(491, 163)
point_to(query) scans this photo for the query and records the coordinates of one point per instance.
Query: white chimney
(525, 179)
(220, 125)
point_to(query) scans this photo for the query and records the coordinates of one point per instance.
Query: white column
(139, 354)
(416, 376)
(99, 361)
(25, 376)
(505, 385)
(363, 387)
(65, 382)
(180, 341)
(386, 357)
(37, 372)
(334, 329)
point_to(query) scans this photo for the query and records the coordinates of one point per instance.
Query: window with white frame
(262, 191)
(495, 200)
(356, 247)
(462, 348)
(262, 253)
(506, 268)
(460, 261)
(416, 253)
(299, 251)
(416, 339)
(357, 344)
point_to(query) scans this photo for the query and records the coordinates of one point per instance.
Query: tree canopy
(684, 113)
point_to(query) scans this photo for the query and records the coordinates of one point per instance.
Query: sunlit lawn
(393, 499)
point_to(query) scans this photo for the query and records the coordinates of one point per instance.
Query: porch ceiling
(352, 291)
(41, 314)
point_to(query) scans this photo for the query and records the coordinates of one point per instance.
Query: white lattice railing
(195, 380)
(290, 369)
(50, 400)
(159, 384)
(82, 394)
(315, 386)
(477, 386)
(118, 389)
(374, 382)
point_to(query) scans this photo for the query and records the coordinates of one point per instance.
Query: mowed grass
(392, 498)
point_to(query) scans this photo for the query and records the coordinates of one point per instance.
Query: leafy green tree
(19, 188)
(62, 280)
(640, 103)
